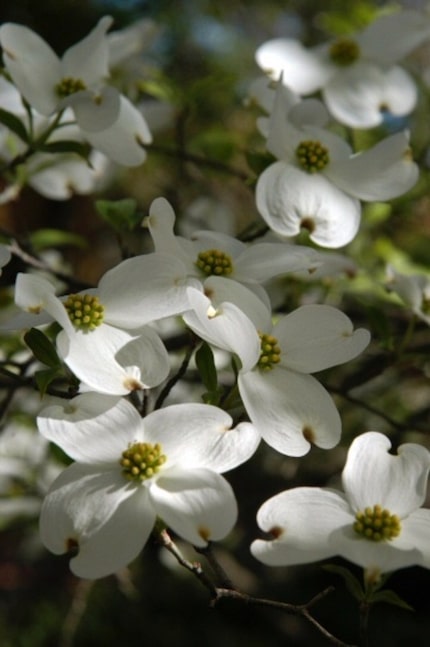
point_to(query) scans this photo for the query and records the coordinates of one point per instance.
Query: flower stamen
(344, 51)
(214, 261)
(270, 352)
(312, 156)
(68, 86)
(141, 461)
(377, 524)
(85, 311)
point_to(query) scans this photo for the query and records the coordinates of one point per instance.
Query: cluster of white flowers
(130, 469)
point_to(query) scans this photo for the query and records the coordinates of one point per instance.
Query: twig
(180, 373)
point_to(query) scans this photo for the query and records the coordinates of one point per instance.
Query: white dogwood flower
(288, 406)
(130, 471)
(105, 339)
(106, 119)
(214, 254)
(358, 75)
(318, 182)
(377, 522)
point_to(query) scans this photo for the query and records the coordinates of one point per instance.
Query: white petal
(315, 337)
(33, 65)
(88, 59)
(96, 111)
(108, 520)
(201, 435)
(416, 530)
(302, 70)
(60, 181)
(288, 197)
(198, 504)
(385, 556)
(392, 36)
(225, 326)
(91, 428)
(161, 222)
(302, 520)
(254, 304)
(289, 409)
(34, 294)
(94, 357)
(380, 173)
(148, 353)
(359, 96)
(373, 476)
(143, 289)
(123, 141)
(263, 261)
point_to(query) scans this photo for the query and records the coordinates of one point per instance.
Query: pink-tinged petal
(383, 556)
(107, 519)
(393, 36)
(300, 521)
(96, 111)
(373, 476)
(380, 173)
(94, 358)
(200, 435)
(198, 504)
(224, 326)
(123, 140)
(143, 289)
(91, 428)
(359, 96)
(290, 410)
(289, 199)
(89, 59)
(302, 70)
(34, 67)
(315, 337)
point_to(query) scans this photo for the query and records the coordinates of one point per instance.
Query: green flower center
(312, 156)
(68, 86)
(141, 461)
(344, 51)
(377, 524)
(270, 352)
(214, 261)
(85, 311)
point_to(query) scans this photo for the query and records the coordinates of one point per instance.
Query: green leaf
(14, 124)
(212, 397)
(44, 378)
(120, 214)
(46, 238)
(66, 146)
(206, 366)
(390, 597)
(352, 583)
(42, 348)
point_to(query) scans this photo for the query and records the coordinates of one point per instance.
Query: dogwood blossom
(210, 253)
(376, 522)
(130, 471)
(288, 406)
(357, 74)
(413, 289)
(105, 340)
(318, 182)
(106, 119)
